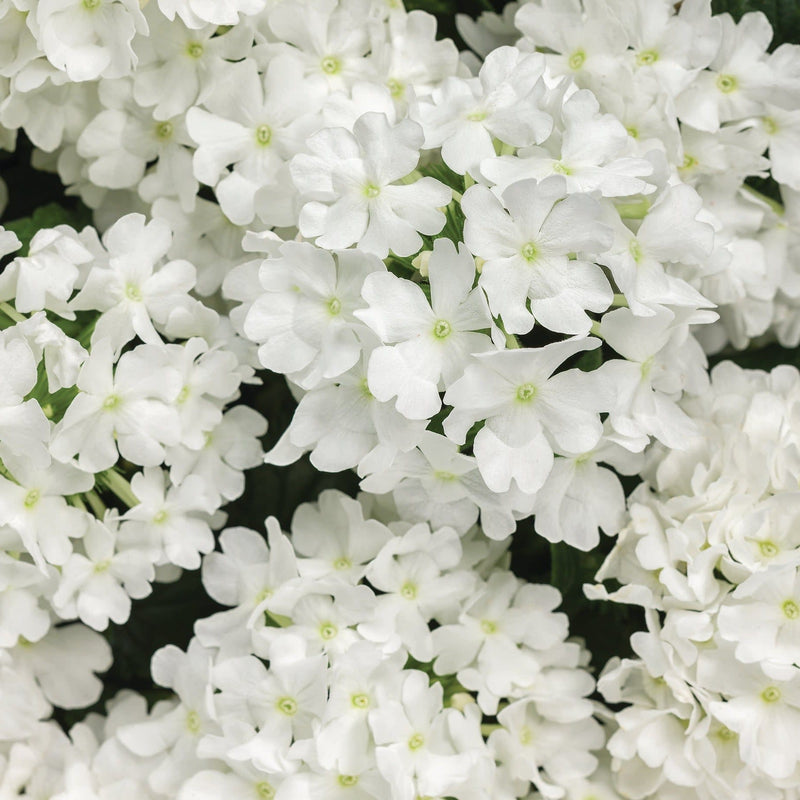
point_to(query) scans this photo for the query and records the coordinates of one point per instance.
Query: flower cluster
(357, 659)
(116, 455)
(711, 551)
(705, 94)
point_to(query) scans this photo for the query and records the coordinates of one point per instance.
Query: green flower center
(328, 631)
(408, 590)
(770, 126)
(161, 517)
(183, 395)
(791, 609)
(577, 59)
(768, 549)
(726, 734)
(265, 791)
(132, 292)
(416, 741)
(102, 566)
(526, 392)
(193, 722)
(164, 130)
(32, 498)
(727, 83)
(635, 249)
(287, 706)
(396, 88)
(562, 169)
(330, 65)
(371, 190)
(445, 476)
(91, 5)
(334, 306)
(688, 162)
(632, 132)
(477, 116)
(525, 735)
(194, 49)
(342, 563)
(359, 700)
(529, 251)
(646, 57)
(347, 780)
(111, 402)
(442, 329)
(263, 135)
(488, 627)
(771, 694)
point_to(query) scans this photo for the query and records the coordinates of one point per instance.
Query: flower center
(529, 251)
(32, 498)
(768, 549)
(287, 706)
(791, 609)
(359, 700)
(416, 741)
(727, 83)
(347, 780)
(525, 735)
(770, 126)
(161, 517)
(330, 65)
(488, 627)
(477, 116)
(194, 49)
(526, 392)
(771, 694)
(577, 59)
(164, 130)
(193, 722)
(646, 57)
(726, 734)
(635, 249)
(442, 329)
(445, 476)
(409, 590)
(111, 402)
(632, 132)
(265, 791)
(183, 395)
(334, 306)
(263, 135)
(371, 190)
(342, 563)
(328, 631)
(562, 169)
(102, 566)
(132, 292)
(396, 88)
(91, 5)
(688, 161)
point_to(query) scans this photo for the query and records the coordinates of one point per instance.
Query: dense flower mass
(492, 281)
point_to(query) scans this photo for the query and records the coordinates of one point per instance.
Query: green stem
(412, 177)
(489, 727)
(11, 312)
(113, 481)
(773, 204)
(596, 329)
(97, 505)
(77, 501)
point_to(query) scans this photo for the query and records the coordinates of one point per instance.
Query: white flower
(304, 320)
(526, 253)
(432, 341)
(504, 102)
(126, 408)
(349, 186)
(132, 292)
(523, 404)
